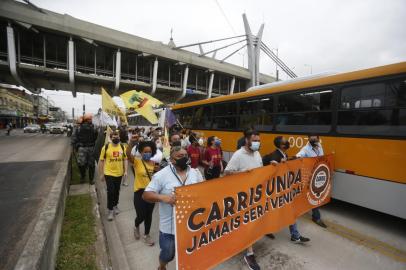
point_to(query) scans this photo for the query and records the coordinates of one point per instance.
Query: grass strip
(75, 172)
(77, 242)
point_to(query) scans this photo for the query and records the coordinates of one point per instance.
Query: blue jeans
(316, 214)
(167, 245)
(293, 231)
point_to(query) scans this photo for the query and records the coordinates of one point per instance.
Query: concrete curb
(103, 260)
(115, 246)
(42, 246)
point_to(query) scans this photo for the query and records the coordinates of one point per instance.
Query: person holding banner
(144, 169)
(161, 189)
(244, 159)
(313, 148)
(279, 155)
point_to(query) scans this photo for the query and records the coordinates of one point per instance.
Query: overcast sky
(317, 35)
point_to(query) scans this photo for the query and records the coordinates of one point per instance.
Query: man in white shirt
(313, 149)
(244, 159)
(161, 189)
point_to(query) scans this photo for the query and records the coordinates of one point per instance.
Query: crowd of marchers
(136, 155)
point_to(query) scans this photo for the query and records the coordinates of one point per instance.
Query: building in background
(56, 114)
(40, 107)
(16, 106)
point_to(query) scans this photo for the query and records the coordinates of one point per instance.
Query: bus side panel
(379, 195)
(374, 158)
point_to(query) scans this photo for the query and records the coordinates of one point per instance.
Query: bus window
(202, 118)
(185, 117)
(362, 96)
(256, 113)
(373, 109)
(305, 101)
(225, 115)
(308, 111)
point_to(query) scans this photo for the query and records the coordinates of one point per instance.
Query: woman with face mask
(193, 150)
(212, 158)
(144, 168)
(157, 158)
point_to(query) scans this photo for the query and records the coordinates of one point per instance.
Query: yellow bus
(360, 117)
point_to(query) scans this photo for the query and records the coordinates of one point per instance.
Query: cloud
(328, 35)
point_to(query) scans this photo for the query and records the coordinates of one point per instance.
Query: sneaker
(320, 223)
(251, 262)
(270, 235)
(111, 215)
(301, 239)
(148, 240)
(116, 210)
(125, 184)
(136, 233)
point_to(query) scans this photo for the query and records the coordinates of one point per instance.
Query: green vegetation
(75, 172)
(78, 237)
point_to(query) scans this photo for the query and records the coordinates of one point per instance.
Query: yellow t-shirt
(141, 179)
(114, 163)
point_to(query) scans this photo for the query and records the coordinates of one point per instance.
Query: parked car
(34, 128)
(56, 129)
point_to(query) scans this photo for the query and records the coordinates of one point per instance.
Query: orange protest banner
(219, 218)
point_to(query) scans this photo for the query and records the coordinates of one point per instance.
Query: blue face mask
(217, 142)
(146, 156)
(255, 146)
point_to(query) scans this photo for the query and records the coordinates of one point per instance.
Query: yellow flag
(166, 146)
(148, 113)
(133, 99)
(110, 107)
(141, 103)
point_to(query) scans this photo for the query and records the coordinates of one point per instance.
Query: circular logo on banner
(319, 185)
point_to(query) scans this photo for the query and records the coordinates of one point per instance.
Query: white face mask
(201, 142)
(255, 146)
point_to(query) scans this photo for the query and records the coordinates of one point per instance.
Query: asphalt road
(28, 164)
